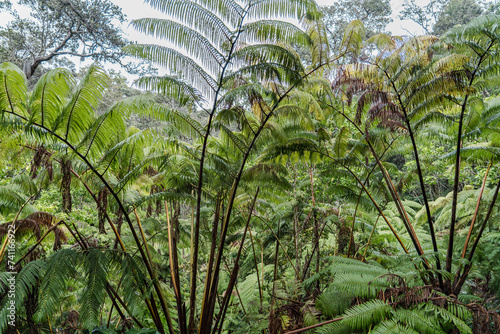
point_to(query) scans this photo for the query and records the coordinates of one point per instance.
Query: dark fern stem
(66, 185)
(102, 198)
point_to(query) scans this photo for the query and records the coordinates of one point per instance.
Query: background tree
(57, 29)
(436, 17)
(374, 14)
(456, 12)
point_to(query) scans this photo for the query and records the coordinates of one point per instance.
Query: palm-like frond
(171, 87)
(172, 59)
(282, 8)
(273, 31)
(49, 96)
(75, 117)
(13, 91)
(59, 271)
(183, 37)
(95, 272)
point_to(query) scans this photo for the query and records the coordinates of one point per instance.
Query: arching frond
(183, 37)
(175, 61)
(272, 31)
(75, 118)
(282, 8)
(179, 118)
(171, 87)
(60, 269)
(201, 10)
(49, 96)
(13, 90)
(361, 316)
(254, 54)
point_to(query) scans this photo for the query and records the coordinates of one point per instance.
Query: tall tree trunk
(296, 224)
(119, 222)
(158, 201)
(102, 198)
(173, 237)
(66, 185)
(149, 209)
(31, 306)
(36, 162)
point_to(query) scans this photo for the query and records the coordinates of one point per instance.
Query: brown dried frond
(34, 223)
(43, 218)
(48, 220)
(72, 322)
(27, 225)
(41, 158)
(150, 171)
(352, 85)
(388, 114)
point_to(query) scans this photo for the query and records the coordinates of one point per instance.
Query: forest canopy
(295, 169)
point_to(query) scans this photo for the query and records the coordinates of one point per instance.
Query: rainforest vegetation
(278, 176)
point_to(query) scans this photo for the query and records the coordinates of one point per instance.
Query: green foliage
(262, 196)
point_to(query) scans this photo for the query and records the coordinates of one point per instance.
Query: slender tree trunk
(475, 211)
(36, 162)
(275, 277)
(296, 224)
(66, 185)
(119, 222)
(158, 202)
(149, 209)
(102, 197)
(234, 273)
(209, 294)
(173, 234)
(316, 239)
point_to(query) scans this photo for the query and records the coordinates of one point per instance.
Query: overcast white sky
(136, 9)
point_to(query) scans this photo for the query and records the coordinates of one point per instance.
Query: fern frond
(418, 320)
(13, 90)
(60, 269)
(172, 59)
(170, 87)
(362, 315)
(181, 36)
(95, 271)
(273, 31)
(203, 14)
(282, 8)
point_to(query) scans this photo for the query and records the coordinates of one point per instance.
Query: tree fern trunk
(211, 295)
(119, 222)
(158, 202)
(66, 185)
(31, 306)
(174, 263)
(316, 238)
(149, 209)
(35, 163)
(102, 198)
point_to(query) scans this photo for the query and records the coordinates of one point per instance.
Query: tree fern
(60, 269)
(95, 272)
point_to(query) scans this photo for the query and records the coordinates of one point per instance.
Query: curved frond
(13, 90)
(172, 59)
(181, 36)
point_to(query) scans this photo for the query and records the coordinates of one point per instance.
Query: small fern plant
(369, 298)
